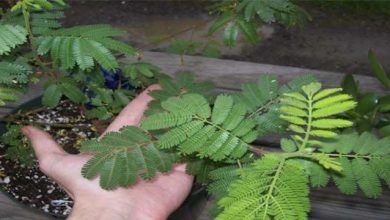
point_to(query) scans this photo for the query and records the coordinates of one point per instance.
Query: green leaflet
(313, 112)
(51, 96)
(135, 69)
(67, 87)
(10, 37)
(120, 158)
(283, 11)
(82, 45)
(13, 73)
(262, 99)
(183, 83)
(271, 188)
(216, 133)
(7, 95)
(364, 159)
(222, 178)
(318, 175)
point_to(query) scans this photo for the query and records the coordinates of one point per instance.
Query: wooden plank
(229, 74)
(10, 210)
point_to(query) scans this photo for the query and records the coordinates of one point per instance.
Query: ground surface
(335, 40)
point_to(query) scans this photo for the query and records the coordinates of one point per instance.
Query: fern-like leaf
(262, 99)
(215, 133)
(13, 73)
(82, 45)
(10, 37)
(272, 188)
(364, 159)
(120, 158)
(313, 112)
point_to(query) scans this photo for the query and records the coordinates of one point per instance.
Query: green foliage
(283, 11)
(63, 87)
(14, 73)
(233, 24)
(183, 83)
(262, 99)
(42, 21)
(215, 133)
(7, 95)
(36, 4)
(272, 188)
(243, 15)
(18, 147)
(108, 102)
(371, 113)
(139, 72)
(312, 112)
(122, 157)
(10, 37)
(83, 46)
(365, 160)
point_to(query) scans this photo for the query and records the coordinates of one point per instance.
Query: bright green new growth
(272, 188)
(122, 157)
(311, 113)
(217, 133)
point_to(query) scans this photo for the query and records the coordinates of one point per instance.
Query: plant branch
(57, 125)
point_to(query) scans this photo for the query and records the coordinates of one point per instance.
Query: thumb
(46, 149)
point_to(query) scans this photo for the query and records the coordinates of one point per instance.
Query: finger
(133, 112)
(45, 148)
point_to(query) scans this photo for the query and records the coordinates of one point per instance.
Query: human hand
(152, 200)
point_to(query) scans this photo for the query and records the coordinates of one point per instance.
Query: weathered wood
(229, 74)
(10, 210)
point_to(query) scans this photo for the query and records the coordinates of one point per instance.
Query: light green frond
(313, 112)
(331, 123)
(271, 188)
(334, 109)
(221, 179)
(121, 157)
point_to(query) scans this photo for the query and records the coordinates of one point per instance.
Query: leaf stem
(309, 121)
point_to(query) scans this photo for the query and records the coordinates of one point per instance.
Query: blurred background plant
(372, 111)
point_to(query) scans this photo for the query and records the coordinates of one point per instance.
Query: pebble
(6, 180)
(30, 178)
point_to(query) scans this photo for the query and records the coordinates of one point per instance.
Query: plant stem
(57, 125)
(309, 120)
(269, 103)
(26, 16)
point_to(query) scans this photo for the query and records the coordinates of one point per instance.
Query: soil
(335, 40)
(29, 185)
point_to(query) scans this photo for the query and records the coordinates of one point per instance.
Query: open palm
(155, 199)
